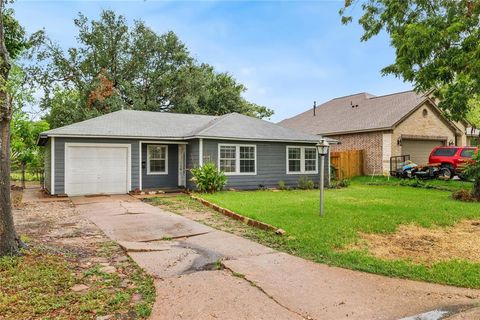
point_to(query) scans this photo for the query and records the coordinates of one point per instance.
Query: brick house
(383, 126)
(473, 137)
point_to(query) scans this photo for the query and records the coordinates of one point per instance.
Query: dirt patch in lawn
(426, 245)
(77, 272)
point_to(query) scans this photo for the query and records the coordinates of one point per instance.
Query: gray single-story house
(139, 150)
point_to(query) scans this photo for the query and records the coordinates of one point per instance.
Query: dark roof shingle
(358, 112)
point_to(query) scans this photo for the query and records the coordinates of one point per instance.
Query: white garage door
(419, 150)
(97, 169)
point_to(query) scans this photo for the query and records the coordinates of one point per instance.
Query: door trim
(184, 161)
(104, 145)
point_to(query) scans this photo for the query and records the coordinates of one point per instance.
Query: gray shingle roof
(372, 113)
(142, 124)
(239, 126)
(161, 125)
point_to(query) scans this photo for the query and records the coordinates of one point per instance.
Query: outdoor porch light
(322, 148)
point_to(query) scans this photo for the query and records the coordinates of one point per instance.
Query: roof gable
(354, 113)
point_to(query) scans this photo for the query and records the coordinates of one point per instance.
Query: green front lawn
(358, 208)
(450, 185)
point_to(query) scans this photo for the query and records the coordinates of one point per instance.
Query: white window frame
(302, 160)
(152, 173)
(237, 159)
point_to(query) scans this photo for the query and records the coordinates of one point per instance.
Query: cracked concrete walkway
(258, 282)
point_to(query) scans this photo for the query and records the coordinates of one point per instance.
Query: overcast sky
(287, 53)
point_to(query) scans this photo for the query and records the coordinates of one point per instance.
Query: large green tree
(12, 42)
(436, 43)
(119, 66)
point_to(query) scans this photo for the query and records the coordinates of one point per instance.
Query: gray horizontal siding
(60, 159)
(271, 165)
(169, 180)
(48, 166)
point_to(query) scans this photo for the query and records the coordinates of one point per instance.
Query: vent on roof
(353, 105)
(314, 107)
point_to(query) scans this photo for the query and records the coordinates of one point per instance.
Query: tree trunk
(476, 189)
(8, 237)
(23, 175)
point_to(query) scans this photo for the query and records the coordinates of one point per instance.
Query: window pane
(157, 152)
(294, 153)
(310, 165)
(310, 153)
(157, 166)
(227, 152)
(247, 159)
(310, 159)
(294, 165)
(157, 158)
(247, 153)
(228, 158)
(247, 165)
(227, 165)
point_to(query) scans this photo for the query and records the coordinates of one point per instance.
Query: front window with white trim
(157, 159)
(237, 159)
(302, 160)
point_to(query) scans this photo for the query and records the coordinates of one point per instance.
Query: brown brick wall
(370, 142)
(430, 124)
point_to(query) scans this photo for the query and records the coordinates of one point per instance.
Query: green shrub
(333, 172)
(463, 195)
(208, 179)
(416, 183)
(472, 171)
(282, 185)
(338, 184)
(305, 183)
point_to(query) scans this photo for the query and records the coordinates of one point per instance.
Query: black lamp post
(322, 148)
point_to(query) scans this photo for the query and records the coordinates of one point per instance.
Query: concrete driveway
(203, 273)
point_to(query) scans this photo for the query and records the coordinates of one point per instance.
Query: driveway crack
(254, 284)
(176, 237)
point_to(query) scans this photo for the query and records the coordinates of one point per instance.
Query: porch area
(162, 167)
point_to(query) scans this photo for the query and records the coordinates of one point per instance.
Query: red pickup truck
(452, 158)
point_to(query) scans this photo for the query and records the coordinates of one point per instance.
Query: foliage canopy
(436, 44)
(119, 66)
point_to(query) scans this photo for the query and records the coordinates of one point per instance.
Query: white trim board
(200, 152)
(180, 140)
(52, 166)
(182, 179)
(140, 165)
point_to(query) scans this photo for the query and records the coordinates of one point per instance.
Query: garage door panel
(419, 150)
(96, 169)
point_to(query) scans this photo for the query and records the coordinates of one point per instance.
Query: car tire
(446, 172)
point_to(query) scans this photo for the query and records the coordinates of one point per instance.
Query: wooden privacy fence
(347, 163)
